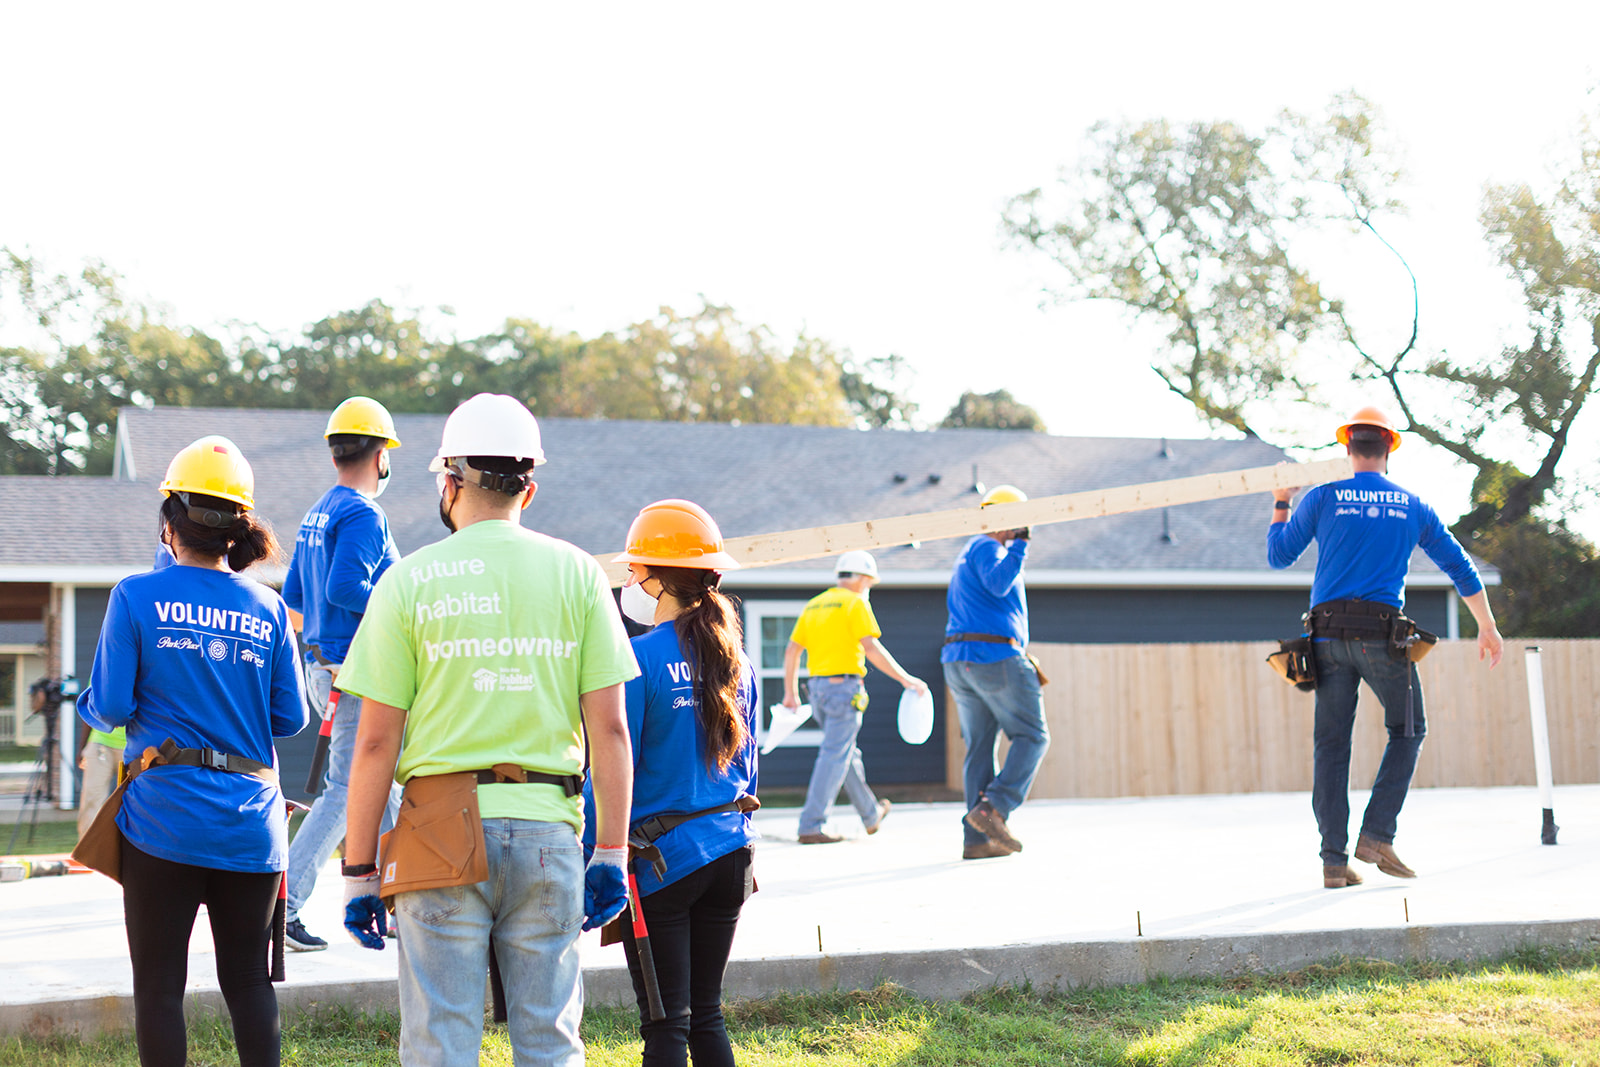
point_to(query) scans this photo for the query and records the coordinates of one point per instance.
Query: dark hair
(711, 638)
(352, 449)
(244, 540)
(515, 475)
(1369, 442)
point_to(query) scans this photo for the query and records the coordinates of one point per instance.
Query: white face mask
(639, 605)
(383, 483)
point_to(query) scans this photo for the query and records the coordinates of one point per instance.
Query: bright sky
(838, 168)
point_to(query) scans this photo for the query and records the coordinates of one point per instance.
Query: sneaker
(989, 822)
(984, 850)
(820, 838)
(298, 938)
(883, 813)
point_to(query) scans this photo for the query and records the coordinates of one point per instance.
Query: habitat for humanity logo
(484, 680)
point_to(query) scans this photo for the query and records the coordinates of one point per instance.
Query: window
(8, 700)
(767, 626)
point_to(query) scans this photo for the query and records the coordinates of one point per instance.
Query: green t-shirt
(486, 639)
(117, 738)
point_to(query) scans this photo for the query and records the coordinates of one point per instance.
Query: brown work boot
(1339, 877)
(883, 813)
(1370, 851)
(984, 850)
(989, 822)
(820, 839)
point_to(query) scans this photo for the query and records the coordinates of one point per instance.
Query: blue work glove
(365, 917)
(605, 886)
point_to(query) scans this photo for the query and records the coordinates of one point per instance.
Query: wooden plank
(816, 542)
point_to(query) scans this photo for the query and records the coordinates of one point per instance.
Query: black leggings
(691, 926)
(160, 899)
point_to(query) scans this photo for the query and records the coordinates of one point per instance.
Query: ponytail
(712, 638)
(243, 541)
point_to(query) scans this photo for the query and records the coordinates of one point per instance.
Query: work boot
(984, 850)
(883, 813)
(820, 838)
(298, 938)
(1339, 877)
(989, 822)
(1381, 853)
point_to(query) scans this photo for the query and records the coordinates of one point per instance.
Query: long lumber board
(815, 542)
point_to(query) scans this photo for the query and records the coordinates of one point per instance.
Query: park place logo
(217, 649)
(484, 680)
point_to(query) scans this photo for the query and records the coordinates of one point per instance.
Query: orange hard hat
(676, 533)
(1369, 416)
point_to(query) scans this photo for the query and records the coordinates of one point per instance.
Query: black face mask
(444, 515)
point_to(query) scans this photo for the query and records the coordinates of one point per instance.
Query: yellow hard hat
(676, 533)
(1369, 416)
(365, 416)
(1002, 494)
(213, 466)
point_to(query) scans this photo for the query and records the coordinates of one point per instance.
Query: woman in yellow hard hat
(692, 717)
(198, 663)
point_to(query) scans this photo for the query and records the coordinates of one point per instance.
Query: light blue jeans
(991, 697)
(323, 827)
(532, 906)
(838, 758)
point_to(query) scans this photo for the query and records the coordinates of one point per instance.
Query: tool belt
(992, 639)
(437, 840)
(642, 838)
(100, 846)
(1366, 620)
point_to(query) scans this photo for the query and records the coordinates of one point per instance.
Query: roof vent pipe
(1166, 529)
(1166, 453)
(977, 486)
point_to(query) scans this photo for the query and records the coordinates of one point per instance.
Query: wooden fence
(1148, 720)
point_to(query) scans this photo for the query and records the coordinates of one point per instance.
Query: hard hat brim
(1342, 434)
(711, 561)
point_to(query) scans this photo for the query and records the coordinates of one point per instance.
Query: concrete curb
(939, 975)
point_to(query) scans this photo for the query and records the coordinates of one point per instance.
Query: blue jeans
(532, 906)
(1341, 667)
(991, 697)
(323, 827)
(838, 758)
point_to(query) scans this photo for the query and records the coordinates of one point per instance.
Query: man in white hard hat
(482, 659)
(341, 550)
(839, 632)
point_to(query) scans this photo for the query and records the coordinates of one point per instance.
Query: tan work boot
(820, 838)
(984, 850)
(1370, 851)
(883, 813)
(1339, 877)
(989, 822)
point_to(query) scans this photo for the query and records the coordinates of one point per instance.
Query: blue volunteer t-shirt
(987, 596)
(206, 658)
(341, 551)
(1365, 528)
(670, 773)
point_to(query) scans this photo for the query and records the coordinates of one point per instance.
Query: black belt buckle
(210, 757)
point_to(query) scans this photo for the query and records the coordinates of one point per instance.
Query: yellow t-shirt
(830, 629)
(487, 639)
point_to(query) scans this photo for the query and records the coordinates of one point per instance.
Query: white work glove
(365, 917)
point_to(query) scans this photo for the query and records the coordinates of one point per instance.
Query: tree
(998, 410)
(1191, 226)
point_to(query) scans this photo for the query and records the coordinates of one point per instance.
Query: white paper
(784, 723)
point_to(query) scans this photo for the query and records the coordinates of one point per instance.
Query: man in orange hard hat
(1366, 528)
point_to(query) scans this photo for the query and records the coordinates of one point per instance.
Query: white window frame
(809, 735)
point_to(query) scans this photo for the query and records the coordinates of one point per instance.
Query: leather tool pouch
(1044, 680)
(437, 840)
(1296, 663)
(100, 846)
(1409, 641)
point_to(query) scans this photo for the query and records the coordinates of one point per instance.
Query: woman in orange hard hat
(199, 662)
(692, 716)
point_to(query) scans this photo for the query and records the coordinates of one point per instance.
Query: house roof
(753, 479)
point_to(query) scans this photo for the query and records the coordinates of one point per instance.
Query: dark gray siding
(90, 606)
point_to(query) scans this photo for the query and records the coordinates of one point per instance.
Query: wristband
(357, 870)
(1280, 505)
(613, 855)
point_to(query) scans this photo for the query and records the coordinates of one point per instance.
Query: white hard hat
(490, 424)
(857, 562)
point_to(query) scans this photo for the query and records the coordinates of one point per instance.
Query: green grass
(49, 837)
(1531, 1008)
(18, 753)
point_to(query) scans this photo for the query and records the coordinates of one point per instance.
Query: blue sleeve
(360, 561)
(1287, 541)
(288, 702)
(116, 668)
(1445, 551)
(999, 569)
(293, 595)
